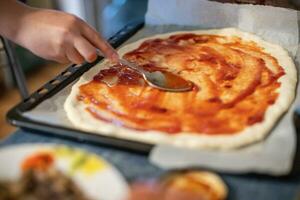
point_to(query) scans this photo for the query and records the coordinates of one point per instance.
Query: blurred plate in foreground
(59, 170)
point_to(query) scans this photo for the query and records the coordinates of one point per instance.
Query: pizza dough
(191, 134)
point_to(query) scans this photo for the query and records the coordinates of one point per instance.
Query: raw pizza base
(84, 120)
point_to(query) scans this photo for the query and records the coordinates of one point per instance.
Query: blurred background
(107, 16)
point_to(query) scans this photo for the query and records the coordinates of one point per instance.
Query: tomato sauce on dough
(235, 82)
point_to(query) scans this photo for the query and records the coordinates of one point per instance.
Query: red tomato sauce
(234, 86)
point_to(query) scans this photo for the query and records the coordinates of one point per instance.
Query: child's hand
(56, 35)
(61, 37)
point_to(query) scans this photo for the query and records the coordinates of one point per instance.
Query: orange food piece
(178, 187)
(40, 161)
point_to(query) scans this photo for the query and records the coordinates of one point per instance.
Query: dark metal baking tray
(16, 115)
(17, 118)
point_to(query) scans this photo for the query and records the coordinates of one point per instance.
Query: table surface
(136, 166)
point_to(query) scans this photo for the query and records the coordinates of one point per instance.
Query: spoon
(159, 79)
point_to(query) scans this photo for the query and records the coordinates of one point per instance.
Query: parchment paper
(277, 25)
(274, 155)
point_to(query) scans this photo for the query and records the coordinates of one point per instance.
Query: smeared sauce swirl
(235, 82)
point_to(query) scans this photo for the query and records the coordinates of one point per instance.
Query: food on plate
(41, 180)
(57, 172)
(191, 185)
(242, 85)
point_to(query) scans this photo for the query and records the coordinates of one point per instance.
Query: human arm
(51, 34)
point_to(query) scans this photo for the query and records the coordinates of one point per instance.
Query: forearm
(11, 14)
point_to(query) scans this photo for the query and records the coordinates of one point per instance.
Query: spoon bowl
(161, 79)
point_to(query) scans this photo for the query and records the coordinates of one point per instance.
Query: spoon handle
(125, 63)
(131, 65)
(99, 53)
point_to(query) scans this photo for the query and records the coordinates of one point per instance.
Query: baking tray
(16, 115)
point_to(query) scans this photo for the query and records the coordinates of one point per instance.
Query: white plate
(98, 179)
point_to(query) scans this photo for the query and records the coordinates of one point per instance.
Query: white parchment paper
(272, 156)
(275, 154)
(277, 25)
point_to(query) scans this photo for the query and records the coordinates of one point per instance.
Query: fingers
(60, 59)
(83, 45)
(74, 56)
(85, 49)
(77, 52)
(95, 39)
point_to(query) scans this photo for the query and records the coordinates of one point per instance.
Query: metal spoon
(159, 79)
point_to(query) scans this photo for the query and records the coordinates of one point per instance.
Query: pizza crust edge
(83, 120)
